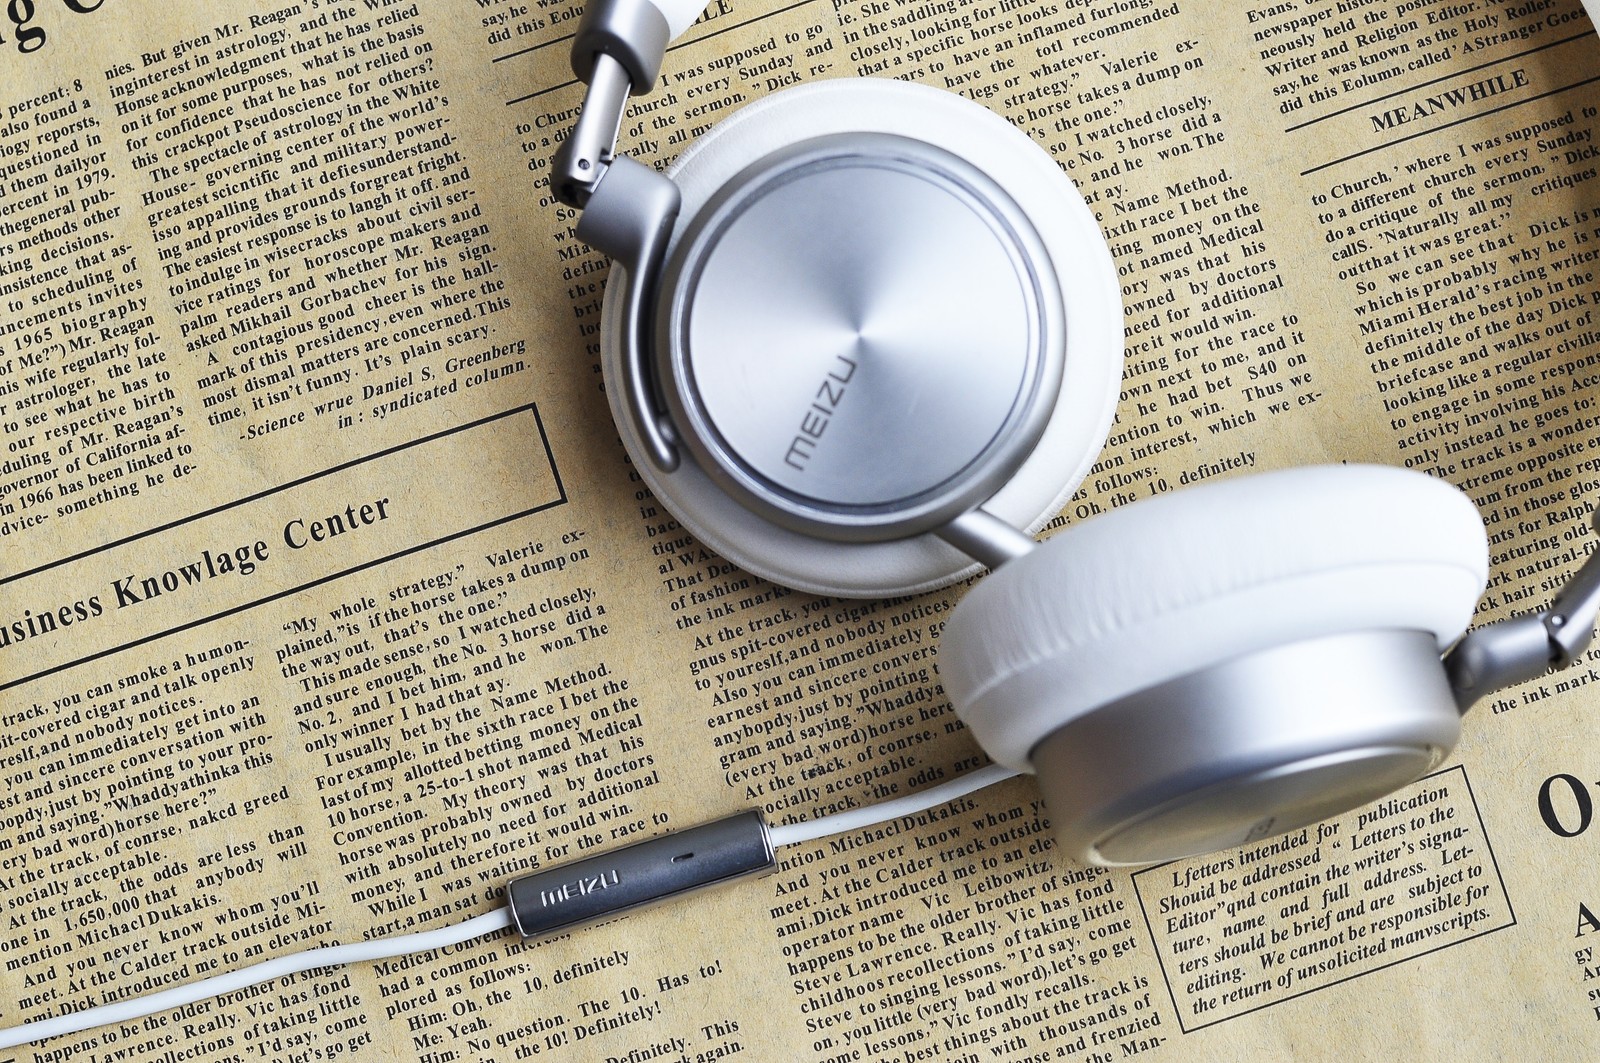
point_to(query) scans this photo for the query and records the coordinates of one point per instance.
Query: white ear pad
(1176, 583)
(1209, 668)
(1093, 365)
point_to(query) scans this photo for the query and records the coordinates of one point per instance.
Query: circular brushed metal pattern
(841, 559)
(862, 330)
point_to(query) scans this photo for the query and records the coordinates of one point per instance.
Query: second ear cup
(1151, 664)
(1083, 318)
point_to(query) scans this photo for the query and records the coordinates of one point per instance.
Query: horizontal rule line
(1435, 81)
(278, 596)
(1449, 125)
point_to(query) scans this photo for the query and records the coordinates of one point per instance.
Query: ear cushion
(1091, 292)
(1176, 583)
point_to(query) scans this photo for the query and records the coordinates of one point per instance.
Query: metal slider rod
(986, 538)
(617, 50)
(583, 157)
(565, 897)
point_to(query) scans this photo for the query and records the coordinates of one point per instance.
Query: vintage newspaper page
(329, 601)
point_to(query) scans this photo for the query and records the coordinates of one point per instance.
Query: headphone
(865, 337)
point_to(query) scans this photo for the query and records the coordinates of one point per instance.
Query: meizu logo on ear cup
(814, 421)
(799, 473)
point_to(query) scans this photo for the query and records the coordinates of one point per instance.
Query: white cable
(910, 805)
(328, 956)
(478, 926)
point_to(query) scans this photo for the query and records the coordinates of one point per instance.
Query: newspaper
(331, 603)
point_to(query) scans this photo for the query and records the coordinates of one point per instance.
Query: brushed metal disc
(859, 327)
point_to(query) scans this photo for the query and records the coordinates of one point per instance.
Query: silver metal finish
(986, 538)
(1572, 614)
(1520, 648)
(1498, 655)
(1249, 748)
(617, 50)
(630, 218)
(634, 33)
(600, 887)
(587, 153)
(862, 337)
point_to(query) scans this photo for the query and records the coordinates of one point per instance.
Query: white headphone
(866, 333)
(870, 265)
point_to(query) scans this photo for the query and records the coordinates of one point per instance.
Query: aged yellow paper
(330, 602)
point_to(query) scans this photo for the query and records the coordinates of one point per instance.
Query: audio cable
(554, 900)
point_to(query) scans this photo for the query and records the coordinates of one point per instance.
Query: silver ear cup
(835, 537)
(1250, 748)
(861, 336)
(1210, 666)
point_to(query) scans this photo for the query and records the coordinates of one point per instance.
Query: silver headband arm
(586, 154)
(1525, 647)
(986, 538)
(617, 51)
(1571, 616)
(630, 219)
